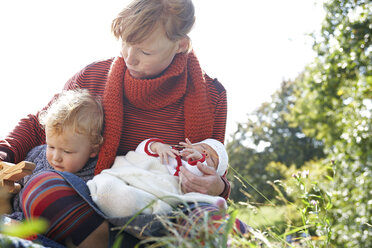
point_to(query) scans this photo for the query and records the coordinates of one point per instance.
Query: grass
(270, 225)
(263, 217)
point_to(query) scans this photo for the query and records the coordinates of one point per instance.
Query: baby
(139, 181)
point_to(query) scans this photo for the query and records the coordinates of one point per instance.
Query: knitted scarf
(182, 79)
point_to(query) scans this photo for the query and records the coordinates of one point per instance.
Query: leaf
(25, 229)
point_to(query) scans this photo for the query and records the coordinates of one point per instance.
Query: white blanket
(137, 181)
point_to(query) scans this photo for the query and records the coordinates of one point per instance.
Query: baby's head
(216, 155)
(73, 126)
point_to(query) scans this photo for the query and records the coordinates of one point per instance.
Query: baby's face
(211, 156)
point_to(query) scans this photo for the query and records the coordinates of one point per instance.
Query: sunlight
(249, 46)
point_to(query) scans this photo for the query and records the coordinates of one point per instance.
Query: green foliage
(25, 229)
(314, 207)
(268, 138)
(336, 89)
(265, 217)
(328, 108)
(333, 103)
(304, 219)
(200, 232)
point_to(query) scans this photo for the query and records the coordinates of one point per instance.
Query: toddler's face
(211, 156)
(68, 151)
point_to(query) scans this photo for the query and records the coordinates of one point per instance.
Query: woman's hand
(210, 183)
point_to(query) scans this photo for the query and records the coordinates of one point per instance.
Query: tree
(267, 137)
(333, 104)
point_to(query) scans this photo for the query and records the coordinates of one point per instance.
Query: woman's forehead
(157, 40)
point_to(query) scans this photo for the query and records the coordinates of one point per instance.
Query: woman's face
(152, 56)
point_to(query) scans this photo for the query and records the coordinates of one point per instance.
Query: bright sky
(250, 46)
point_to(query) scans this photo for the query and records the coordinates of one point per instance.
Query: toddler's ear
(94, 152)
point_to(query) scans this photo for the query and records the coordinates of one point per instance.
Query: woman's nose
(130, 56)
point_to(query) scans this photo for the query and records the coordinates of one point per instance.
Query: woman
(156, 88)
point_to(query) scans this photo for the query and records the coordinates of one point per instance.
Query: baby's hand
(190, 153)
(164, 150)
(186, 144)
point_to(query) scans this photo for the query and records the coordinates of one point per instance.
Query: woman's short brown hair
(137, 21)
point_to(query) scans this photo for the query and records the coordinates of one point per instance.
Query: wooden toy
(11, 173)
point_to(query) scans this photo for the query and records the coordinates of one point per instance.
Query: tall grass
(300, 222)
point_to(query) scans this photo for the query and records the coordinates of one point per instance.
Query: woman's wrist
(6, 155)
(226, 188)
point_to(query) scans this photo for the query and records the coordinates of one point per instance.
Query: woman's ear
(183, 45)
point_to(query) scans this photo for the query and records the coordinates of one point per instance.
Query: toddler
(73, 125)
